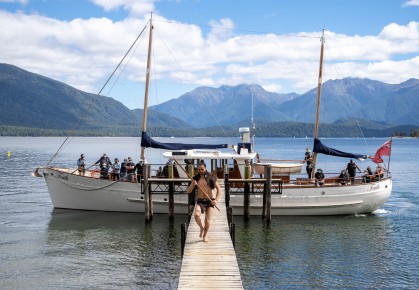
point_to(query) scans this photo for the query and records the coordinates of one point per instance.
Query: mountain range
(32, 104)
(341, 99)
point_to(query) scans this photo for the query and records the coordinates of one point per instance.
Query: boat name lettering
(62, 176)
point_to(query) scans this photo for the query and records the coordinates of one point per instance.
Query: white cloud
(135, 7)
(83, 52)
(395, 31)
(272, 87)
(411, 3)
(221, 30)
(15, 1)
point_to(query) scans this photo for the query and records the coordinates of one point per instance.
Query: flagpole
(389, 155)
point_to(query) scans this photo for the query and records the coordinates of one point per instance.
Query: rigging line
(83, 117)
(181, 68)
(85, 189)
(241, 30)
(125, 66)
(345, 93)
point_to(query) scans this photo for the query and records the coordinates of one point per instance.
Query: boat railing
(280, 160)
(164, 185)
(257, 185)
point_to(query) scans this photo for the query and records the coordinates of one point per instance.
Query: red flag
(384, 150)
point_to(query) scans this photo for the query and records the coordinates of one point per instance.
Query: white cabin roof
(208, 154)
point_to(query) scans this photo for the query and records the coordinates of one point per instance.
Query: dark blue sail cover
(148, 142)
(320, 148)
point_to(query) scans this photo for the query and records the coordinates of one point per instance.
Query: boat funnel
(244, 141)
(244, 134)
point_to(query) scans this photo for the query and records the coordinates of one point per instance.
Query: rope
(345, 93)
(93, 189)
(86, 189)
(83, 117)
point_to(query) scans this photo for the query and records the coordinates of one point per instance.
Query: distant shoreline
(279, 130)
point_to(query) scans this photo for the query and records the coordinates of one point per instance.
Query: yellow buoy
(8, 154)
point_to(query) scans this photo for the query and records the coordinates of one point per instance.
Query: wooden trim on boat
(311, 206)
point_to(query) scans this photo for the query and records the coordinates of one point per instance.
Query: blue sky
(211, 43)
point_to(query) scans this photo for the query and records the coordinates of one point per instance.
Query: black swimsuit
(204, 203)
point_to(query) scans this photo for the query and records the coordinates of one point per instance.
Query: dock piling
(148, 209)
(171, 194)
(268, 188)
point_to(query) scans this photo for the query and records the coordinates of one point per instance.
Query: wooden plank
(211, 265)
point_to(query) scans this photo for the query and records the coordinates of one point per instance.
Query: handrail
(262, 159)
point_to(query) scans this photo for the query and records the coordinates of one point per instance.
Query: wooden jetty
(211, 265)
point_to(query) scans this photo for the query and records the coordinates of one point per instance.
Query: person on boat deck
(319, 178)
(343, 177)
(130, 169)
(115, 169)
(165, 172)
(368, 175)
(159, 172)
(104, 163)
(351, 169)
(123, 170)
(379, 173)
(81, 165)
(205, 182)
(309, 163)
(366, 178)
(139, 170)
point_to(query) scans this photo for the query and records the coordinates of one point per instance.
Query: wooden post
(150, 199)
(191, 195)
(227, 190)
(147, 210)
(233, 234)
(231, 225)
(171, 194)
(191, 169)
(213, 168)
(268, 176)
(229, 215)
(246, 197)
(182, 238)
(265, 186)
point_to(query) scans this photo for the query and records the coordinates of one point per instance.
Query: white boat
(295, 197)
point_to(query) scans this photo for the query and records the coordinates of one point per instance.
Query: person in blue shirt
(81, 165)
(115, 170)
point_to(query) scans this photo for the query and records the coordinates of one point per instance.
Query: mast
(147, 81)
(319, 93)
(253, 129)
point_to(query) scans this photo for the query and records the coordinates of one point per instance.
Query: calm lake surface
(45, 248)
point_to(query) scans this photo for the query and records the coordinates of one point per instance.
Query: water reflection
(319, 252)
(115, 249)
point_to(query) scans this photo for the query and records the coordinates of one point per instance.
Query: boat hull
(328, 200)
(72, 191)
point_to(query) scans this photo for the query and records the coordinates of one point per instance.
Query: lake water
(43, 248)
